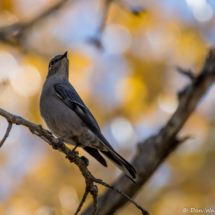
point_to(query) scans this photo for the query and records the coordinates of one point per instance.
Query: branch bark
(96, 40)
(82, 201)
(153, 151)
(14, 34)
(73, 157)
(6, 134)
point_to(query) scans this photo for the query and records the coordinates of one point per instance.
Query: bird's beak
(64, 55)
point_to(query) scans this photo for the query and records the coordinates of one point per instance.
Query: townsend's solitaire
(67, 117)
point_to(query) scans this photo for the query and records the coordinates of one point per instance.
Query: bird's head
(59, 65)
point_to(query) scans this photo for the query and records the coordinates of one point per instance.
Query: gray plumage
(66, 116)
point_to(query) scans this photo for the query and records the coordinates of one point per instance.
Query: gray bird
(67, 117)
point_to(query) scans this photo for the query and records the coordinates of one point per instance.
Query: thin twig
(13, 34)
(99, 181)
(187, 73)
(154, 150)
(96, 40)
(136, 10)
(105, 14)
(82, 201)
(58, 144)
(151, 153)
(6, 134)
(4, 83)
(39, 135)
(94, 194)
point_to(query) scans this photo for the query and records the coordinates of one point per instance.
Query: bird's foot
(86, 161)
(49, 132)
(55, 146)
(41, 128)
(64, 136)
(60, 139)
(71, 156)
(75, 152)
(77, 143)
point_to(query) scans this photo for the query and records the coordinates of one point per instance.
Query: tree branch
(82, 201)
(122, 194)
(6, 134)
(153, 151)
(187, 73)
(57, 144)
(105, 14)
(96, 40)
(94, 194)
(13, 34)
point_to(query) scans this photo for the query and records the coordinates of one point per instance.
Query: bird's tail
(121, 163)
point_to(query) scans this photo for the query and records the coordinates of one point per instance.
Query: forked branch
(153, 151)
(57, 144)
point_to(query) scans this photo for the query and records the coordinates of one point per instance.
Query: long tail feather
(95, 153)
(121, 163)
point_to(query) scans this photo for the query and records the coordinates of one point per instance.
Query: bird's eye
(52, 62)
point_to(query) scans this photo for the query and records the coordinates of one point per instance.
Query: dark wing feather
(71, 98)
(95, 153)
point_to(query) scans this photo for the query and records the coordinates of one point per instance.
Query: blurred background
(126, 72)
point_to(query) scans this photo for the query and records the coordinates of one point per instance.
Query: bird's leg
(62, 138)
(77, 143)
(75, 138)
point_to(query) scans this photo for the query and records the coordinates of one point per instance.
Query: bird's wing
(70, 97)
(95, 153)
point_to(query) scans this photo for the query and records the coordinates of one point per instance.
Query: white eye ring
(52, 63)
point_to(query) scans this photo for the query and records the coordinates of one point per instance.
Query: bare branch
(13, 34)
(4, 83)
(58, 144)
(187, 73)
(33, 132)
(136, 10)
(82, 201)
(94, 193)
(121, 193)
(183, 139)
(105, 14)
(6, 134)
(97, 39)
(153, 151)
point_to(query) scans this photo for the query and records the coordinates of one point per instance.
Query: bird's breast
(58, 117)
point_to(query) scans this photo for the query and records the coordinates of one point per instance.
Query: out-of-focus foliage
(130, 86)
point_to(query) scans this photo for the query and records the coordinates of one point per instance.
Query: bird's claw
(85, 160)
(49, 132)
(60, 139)
(55, 146)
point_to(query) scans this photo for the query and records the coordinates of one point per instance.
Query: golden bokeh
(129, 82)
